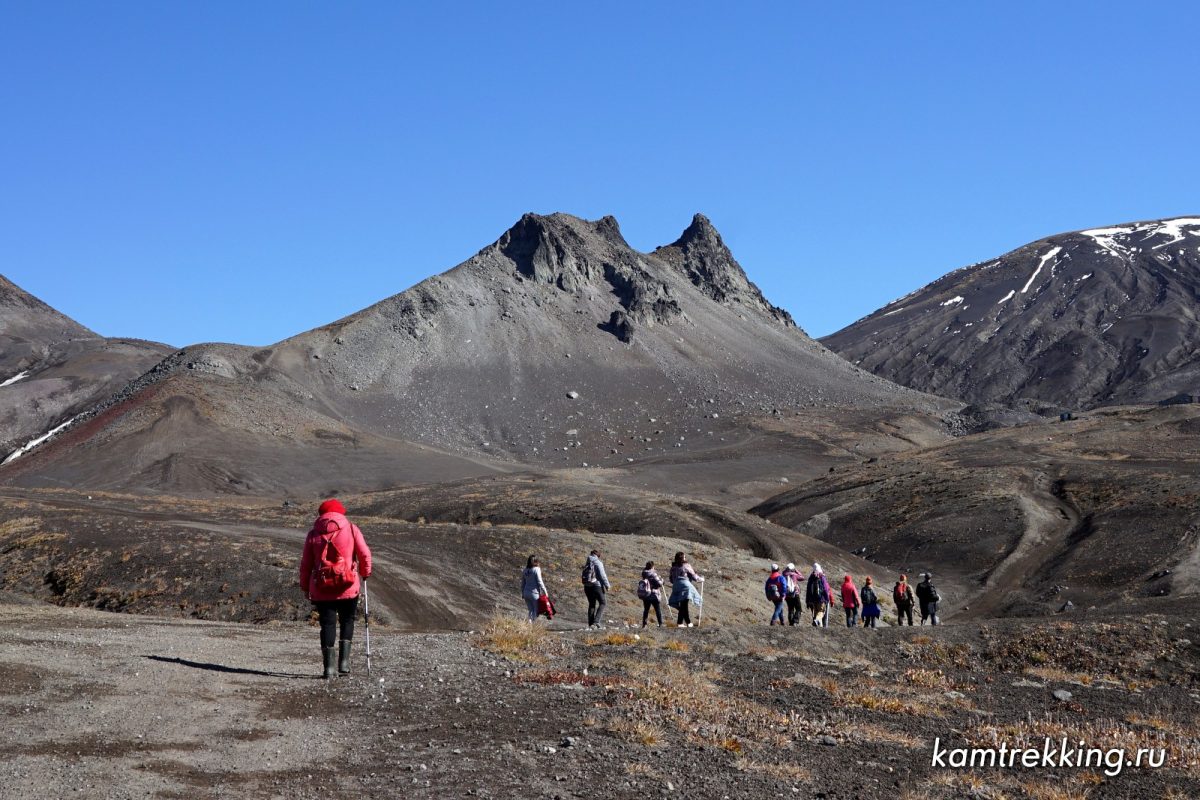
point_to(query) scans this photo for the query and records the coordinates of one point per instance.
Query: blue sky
(241, 172)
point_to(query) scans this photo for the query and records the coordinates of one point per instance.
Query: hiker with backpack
(650, 591)
(929, 598)
(902, 596)
(794, 580)
(817, 597)
(870, 604)
(595, 587)
(776, 591)
(683, 589)
(335, 561)
(851, 601)
(533, 588)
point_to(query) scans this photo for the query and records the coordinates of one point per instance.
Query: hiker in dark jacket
(776, 591)
(650, 590)
(335, 561)
(929, 598)
(794, 601)
(817, 597)
(902, 596)
(870, 603)
(595, 587)
(684, 594)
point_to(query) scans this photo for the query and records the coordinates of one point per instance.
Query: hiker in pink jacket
(336, 559)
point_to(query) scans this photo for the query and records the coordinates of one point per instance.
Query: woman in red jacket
(336, 559)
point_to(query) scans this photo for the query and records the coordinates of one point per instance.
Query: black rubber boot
(327, 654)
(344, 657)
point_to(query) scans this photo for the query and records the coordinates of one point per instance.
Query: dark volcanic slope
(52, 368)
(558, 345)
(1099, 317)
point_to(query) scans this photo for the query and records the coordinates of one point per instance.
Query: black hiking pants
(596, 603)
(651, 602)
(793, 602)
(685, 617)
(333, 612)
(902, 612)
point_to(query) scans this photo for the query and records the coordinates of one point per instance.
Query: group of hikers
(785, 587)
(687, 590)
(336, 562)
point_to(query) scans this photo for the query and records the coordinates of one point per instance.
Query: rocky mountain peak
(701, 255)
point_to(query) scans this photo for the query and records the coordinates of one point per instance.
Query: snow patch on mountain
(1176, 229)
(1053, 252)
(20, 451)
(953, 301)
(15, 378)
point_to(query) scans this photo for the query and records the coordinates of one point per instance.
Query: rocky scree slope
(1105, 316)
(557, 345)
(52, 368)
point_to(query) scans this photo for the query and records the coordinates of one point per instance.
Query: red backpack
(334, 572)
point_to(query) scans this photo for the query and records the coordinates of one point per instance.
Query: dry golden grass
(1054, 791)
(784, 772)
(1181, 744)
(637, 731)
(871, 732)
(519, 640)
(612, 639)
(869, 694)
(676, 646)
(1061, 675)
(637, 769)
(926, 678)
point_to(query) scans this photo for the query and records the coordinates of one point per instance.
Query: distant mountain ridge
(556, 345)
(1103, 316)
(52, 368)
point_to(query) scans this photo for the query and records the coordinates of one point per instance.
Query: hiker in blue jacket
(776, 590)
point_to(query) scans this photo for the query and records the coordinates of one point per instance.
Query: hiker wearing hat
(929, 598)
(335, 561)
(776, 591)
(794, 581)
(902, 596)
(817, 596)
(870, 604)
(851, 602)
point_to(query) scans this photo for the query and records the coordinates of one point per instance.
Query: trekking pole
(367, 620)
(700, 616)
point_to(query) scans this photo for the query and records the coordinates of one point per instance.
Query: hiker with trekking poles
(334, 567)
(684, 594)
(818, 597)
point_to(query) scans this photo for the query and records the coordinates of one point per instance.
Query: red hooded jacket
(348, 540)
(850, 597)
